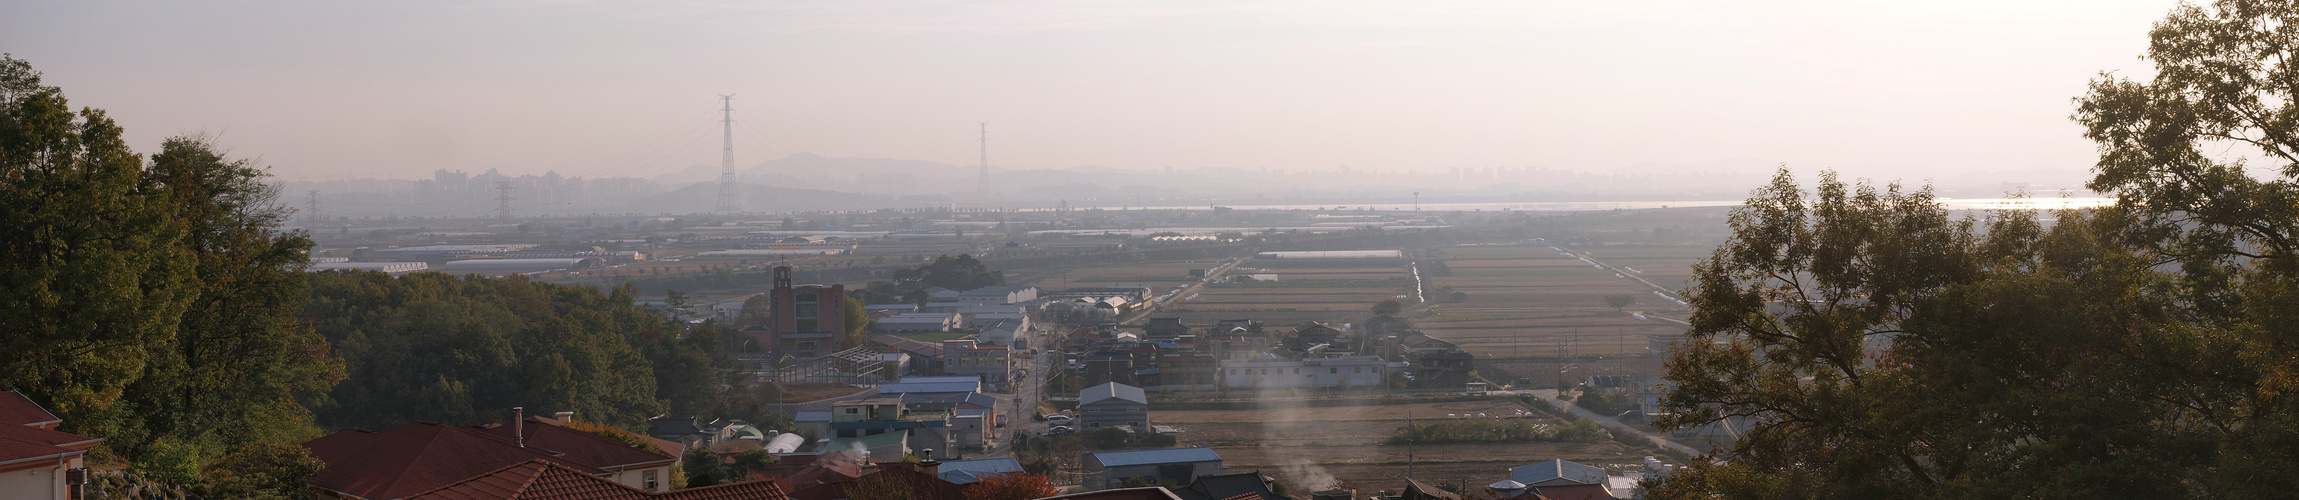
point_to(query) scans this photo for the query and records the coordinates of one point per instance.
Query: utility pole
(728, 201)
(503, 199)
(313, 216)
(1416, 201)
(982, 184)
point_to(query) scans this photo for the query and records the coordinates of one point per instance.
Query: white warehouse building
(1306, 373)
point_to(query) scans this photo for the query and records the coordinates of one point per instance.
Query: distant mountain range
(916, 180)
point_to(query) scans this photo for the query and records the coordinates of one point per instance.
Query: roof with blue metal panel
(967, 471)
(1161, 456)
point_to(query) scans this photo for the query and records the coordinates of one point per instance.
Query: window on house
(1357, 370)
(1296, 371)
(1333, 370)
(650, 478)
(1093, 424)
(851, 411)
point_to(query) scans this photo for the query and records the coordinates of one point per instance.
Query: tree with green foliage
(1110, 438)
(2140, 350)
(265, 471)
(758, 310)
(1388, 307)
(690, 368)
(855, 320)
(155, 306)
(96, 280)
(961, 272)
(242, 359)
(1619, 301)
(428, 346)
(702, 467)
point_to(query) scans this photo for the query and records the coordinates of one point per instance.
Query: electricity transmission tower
(503, 199)
(313, 216)
(982, 184)
(728, 201)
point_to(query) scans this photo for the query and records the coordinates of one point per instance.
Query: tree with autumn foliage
(1011, 486)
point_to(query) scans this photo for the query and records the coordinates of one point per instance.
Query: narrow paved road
(1608, 422)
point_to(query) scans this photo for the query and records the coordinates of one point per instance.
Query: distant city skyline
(1888, 90)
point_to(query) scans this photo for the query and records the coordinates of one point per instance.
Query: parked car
(1058, 419)
(1059, 430)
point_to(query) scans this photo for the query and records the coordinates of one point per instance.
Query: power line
(648, 152)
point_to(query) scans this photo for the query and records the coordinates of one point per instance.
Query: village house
(918, 322)
(420, 456)
(36, 460)
(886, 424)
(964, 357)
(546, 480)
(1346, 372)
(1008, 332)
(1113, 405)
(1110, 469)
(1315, 333)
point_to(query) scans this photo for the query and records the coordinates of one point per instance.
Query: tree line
(1878, 346)
(159, 303)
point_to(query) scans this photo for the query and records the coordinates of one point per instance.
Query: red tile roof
(415, 457)
(578, 446)
(544, 480)
(26, 433)
(803, 471)
(922, 486)
(16, 409)
(1144, 493)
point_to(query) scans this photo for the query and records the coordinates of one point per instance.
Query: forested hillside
(159, 304)
(461, 350)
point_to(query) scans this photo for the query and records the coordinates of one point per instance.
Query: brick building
(808, 319)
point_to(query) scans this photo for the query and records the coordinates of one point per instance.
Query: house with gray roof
(1113, 405)
(1109, 469)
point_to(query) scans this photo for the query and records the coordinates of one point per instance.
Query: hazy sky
(328, 89)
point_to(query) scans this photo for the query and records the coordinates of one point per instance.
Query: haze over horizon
(600, 89)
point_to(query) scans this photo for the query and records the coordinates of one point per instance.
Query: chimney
(564, 416)
(519, 426)
(929, 465)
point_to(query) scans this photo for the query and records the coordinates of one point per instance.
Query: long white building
(1307, 373)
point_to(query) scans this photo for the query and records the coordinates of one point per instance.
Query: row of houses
(944, 413)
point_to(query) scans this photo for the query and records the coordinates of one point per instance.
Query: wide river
(1583, 206)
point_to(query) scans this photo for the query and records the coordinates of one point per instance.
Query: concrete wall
(44, 481)
(1112, 413)
(637, 478)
